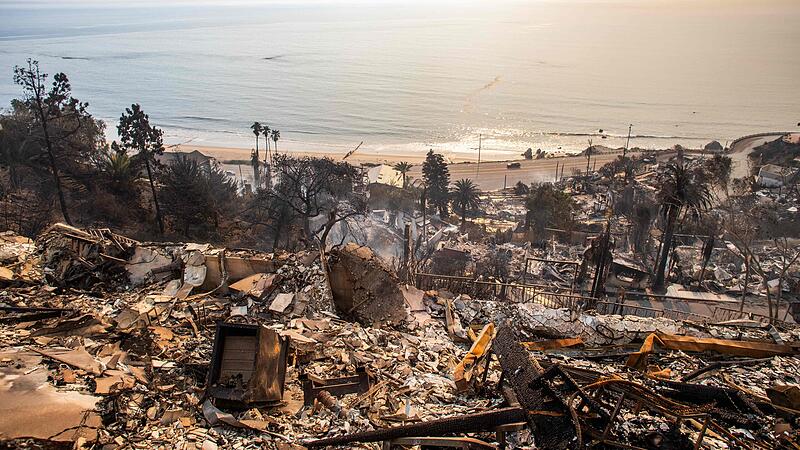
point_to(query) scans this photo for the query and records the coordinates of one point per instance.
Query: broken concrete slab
(237, 267)
(112, 381)
(78, 358)
(281, 302)
(32, 407)
(258, 285)
(143, 261)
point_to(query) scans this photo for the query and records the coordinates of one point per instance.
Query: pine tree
(137, 135)
(437, 179)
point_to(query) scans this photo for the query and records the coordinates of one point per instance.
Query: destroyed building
(113, 343)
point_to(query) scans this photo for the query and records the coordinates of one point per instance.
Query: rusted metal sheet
(312, 386)
(552, 344)
(248, 365)
(751, 349)
(463, 373)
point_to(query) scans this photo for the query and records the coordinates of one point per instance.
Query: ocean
(412, 75)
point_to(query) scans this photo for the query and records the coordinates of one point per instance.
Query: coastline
(225, 155)
(230, 155)
(488, 175)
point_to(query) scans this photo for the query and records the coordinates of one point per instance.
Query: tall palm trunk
(666, 246)
(153, 190)
(256, 174)
(267, 161)
(51, 157)
(423, 201)
(257, 155)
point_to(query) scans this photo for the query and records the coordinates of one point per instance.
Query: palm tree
(257, 129)
(465, 198)
(265, 131)
(682, 191)
(403, 167)
(275, 136)
(118, 167)
(589, 153)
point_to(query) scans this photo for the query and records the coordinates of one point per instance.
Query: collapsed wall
(593, 329)
(363, 288)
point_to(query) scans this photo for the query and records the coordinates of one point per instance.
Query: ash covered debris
(181, 345)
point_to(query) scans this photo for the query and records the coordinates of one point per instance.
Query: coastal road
(491, 175)
(742, 147)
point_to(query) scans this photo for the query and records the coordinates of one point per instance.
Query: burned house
(628, 274)
(204, 347)
(772, 176)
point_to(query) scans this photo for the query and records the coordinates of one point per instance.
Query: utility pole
(480, 139)
(628, 141)
(505, 179)
(589, 156)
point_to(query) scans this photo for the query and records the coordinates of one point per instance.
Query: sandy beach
(227, 154)
(489, 175)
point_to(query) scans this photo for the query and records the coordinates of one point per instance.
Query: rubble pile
(108, 343)
(18, 261)
(83, 259)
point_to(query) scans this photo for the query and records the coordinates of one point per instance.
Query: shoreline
(226, 155)
(233, 155)
(488, 175)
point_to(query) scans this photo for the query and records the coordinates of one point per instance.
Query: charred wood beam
(699, 393)
(482, 421)
(27, 314)
(720, 364)
(28, 309)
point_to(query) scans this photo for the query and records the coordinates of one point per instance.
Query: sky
(726, 4)
(143, 3)
(140, 3)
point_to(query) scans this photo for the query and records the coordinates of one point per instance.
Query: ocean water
(409, 75)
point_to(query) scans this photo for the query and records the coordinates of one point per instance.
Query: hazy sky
(722, 4)
(62, 3)
(521, 73)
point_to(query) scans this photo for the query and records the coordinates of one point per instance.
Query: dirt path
(741, 149)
